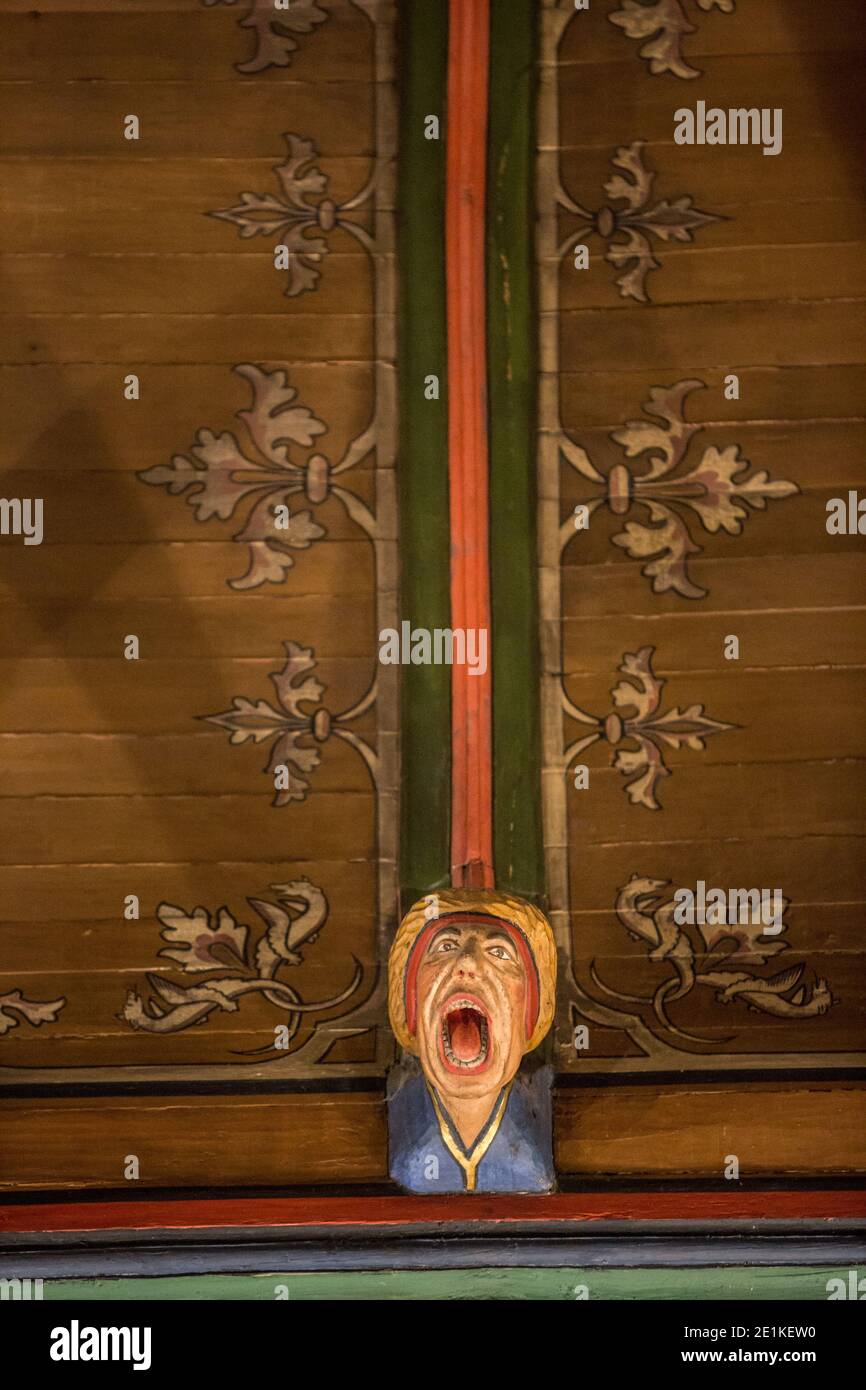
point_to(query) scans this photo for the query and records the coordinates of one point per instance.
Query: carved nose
(466, 965)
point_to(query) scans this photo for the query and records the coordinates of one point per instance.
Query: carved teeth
(453, 1006)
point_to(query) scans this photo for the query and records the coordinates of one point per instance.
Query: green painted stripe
(423, 464)
(512, 369)
(798, 1283)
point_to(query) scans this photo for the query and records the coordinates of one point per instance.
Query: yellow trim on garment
(469, 1162)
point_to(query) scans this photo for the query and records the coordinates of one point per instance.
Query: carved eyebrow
(496, 934)
(443, 931)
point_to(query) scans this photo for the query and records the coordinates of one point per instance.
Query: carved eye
(501, 952)
(444, 946)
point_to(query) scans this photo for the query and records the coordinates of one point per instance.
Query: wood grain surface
(771, 290)
(774, 1128)
(113, 784)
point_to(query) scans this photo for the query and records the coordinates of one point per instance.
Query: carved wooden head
(472, 986)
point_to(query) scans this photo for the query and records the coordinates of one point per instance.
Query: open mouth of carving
(465, 1034)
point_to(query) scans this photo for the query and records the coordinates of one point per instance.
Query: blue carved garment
(519, 1158)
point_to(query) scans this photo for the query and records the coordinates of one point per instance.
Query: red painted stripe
(202, 1213)
(465, 199)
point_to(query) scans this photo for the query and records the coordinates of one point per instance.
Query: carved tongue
(465, 1034)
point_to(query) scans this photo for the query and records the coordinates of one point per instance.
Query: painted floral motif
(274, 30)
(646, 727)
(260, 722)
(290, 218)
(221, 477)
(627, 229)
(663, 25)
(719, 491)
(723, 957)
(201, 942)
(14, 1007)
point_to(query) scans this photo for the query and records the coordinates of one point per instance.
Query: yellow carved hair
(523, 915)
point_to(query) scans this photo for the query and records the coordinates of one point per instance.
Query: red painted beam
(203, 1213)
(468, 452)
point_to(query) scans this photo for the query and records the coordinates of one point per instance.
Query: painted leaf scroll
(277, 33)
(237, 962)
(661, 27)
(718, 489)
(628, 232)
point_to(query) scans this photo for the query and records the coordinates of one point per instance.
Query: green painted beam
(512, 377)
(425, 829)
(796, 1283)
